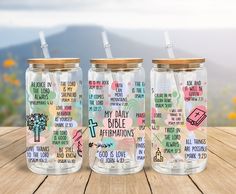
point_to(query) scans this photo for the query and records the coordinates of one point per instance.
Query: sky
(184, 14)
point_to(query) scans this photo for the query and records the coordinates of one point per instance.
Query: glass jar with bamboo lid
(179, 115)
(54, 115)
(116, 102)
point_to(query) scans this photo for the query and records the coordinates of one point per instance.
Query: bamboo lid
(177, 63)
(114, 61)
(54, 64)
(178, 60)
(53, 61)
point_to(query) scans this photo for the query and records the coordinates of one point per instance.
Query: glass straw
(44, 45)
(170, 50)
(106, 44)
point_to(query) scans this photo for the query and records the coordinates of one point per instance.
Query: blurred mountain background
(85, 42)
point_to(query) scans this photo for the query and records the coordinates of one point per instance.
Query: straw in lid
(177, 63)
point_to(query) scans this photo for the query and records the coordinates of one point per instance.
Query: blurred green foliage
(221, 112)
(11, 95)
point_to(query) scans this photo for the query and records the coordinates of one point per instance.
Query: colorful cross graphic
(92, 126)
(196, 117)
(196, 114)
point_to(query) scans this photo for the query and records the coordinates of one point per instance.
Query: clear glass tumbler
(54, 115)
(116, 103)
(179, 115)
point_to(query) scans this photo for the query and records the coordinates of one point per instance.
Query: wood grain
(222, 150)
(5, 130)
(12, 151)
(9, 138)
(72, 183)
(230, 130)
(165, 183)
(16, 177)
(15, 148)
(219, 177)
(225, 138)
(116, 184)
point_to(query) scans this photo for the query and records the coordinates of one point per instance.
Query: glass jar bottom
(54, 170)
(180, 168)
(117, 169)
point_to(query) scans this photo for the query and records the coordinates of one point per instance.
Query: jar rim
(52, 61)
(116, 61)
(178, 61)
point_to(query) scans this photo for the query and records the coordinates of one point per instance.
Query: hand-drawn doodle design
(158, 157)
(37, 123)
(77, 138)
(100, 145)
(91, 144)
(92, 126)
(196, 117)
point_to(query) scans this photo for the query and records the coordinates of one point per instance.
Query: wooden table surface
(219, 177)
